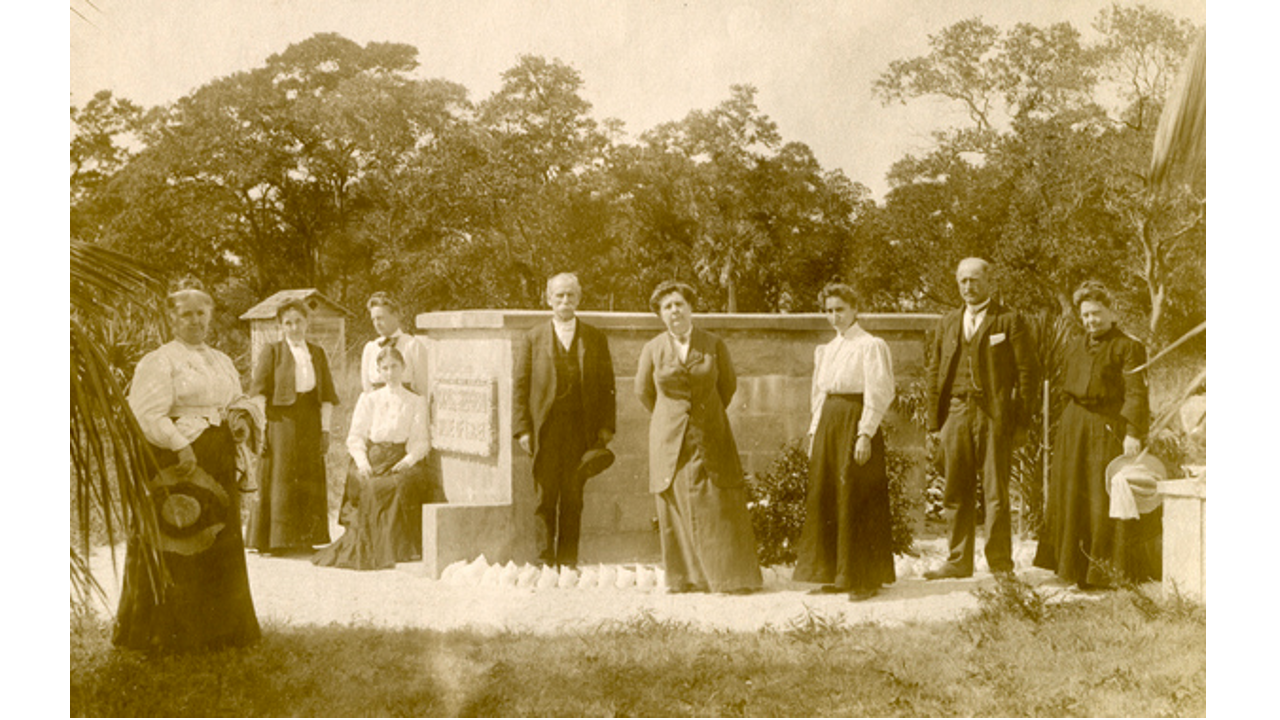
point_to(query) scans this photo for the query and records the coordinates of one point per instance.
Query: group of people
(981, 381)
(186, 395)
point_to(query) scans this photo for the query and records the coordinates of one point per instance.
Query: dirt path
(291, 591)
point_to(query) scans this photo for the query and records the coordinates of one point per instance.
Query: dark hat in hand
(191, 509)
(594, 462)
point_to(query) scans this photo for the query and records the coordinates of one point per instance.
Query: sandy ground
(291, 591)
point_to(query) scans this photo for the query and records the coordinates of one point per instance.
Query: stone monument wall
(490, 487)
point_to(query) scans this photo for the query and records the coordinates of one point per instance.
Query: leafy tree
(1141, 51)
(99, 148)
(1061, 196)
(959, 67)
(258, 174)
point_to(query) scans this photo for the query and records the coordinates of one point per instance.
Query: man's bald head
(973, 276)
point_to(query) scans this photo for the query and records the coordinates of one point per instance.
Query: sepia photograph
(549, 358)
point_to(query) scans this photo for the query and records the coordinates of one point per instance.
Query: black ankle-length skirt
(847, 538)
(208, 604)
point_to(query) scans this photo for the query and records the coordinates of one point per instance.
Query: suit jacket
(535, 382)
(1005, 370)
(688, 401)
(273, 376)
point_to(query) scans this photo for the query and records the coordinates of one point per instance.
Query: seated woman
(386, 483)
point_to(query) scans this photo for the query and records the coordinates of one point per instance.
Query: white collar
(852, 332)
(975, 310)
(564, 324)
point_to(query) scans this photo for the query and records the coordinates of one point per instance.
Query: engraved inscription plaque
(464, 415)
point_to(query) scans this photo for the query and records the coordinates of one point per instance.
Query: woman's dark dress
(703, 522)
(208, 605)
(292, 509)
(382, 514)
(1081, 542)
(847, 540)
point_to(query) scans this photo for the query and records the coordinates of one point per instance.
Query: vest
(568, 374)
(966, 377)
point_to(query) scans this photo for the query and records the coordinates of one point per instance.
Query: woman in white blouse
(180, 395)
(293, 384)
(846, 543)
(386, 481)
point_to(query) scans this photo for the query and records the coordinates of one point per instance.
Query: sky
(643, 62)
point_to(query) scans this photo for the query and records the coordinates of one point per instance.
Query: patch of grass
(1105, 657)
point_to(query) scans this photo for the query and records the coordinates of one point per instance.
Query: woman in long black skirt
(847, 540)
(1106, 415)
(387, 483)
(292, 380)
(180, 393)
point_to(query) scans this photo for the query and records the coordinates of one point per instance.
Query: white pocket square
(997, 338)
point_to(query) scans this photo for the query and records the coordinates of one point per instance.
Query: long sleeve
(646, 390)
(854, 363)
(878, 385)
(177, 392)
(361, 423)
(151, 397)
(522, 414)
(368, 366)
(263, 382)
(817, 396)
(1136, 410)
(416, 358)
(609, 394)
(726, 378)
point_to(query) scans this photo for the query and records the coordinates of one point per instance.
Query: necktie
(385, 341)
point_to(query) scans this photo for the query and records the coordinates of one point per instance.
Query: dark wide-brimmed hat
(191, 509)
(1142, 472)
(594, 462)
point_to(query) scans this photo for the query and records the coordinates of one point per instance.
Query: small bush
(777, 503)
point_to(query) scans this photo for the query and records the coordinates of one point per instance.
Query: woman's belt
(852, 397)
(1096, 404)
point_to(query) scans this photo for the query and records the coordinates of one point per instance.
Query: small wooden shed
(326, 329)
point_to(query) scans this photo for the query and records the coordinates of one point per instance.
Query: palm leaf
(110, 458)
(1180, 136)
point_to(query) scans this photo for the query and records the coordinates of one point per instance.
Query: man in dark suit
(981, 380)
(565, 405)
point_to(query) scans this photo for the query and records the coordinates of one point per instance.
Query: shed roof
(266, 310)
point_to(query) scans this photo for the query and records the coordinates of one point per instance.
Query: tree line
(334, 166)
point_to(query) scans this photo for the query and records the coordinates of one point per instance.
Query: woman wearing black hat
(1106, 415)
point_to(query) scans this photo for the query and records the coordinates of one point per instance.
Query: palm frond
(1180, 136)
(111, 459)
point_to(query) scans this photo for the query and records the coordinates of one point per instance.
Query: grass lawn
(1123, 654)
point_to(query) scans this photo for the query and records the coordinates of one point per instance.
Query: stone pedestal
(1184, 537)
